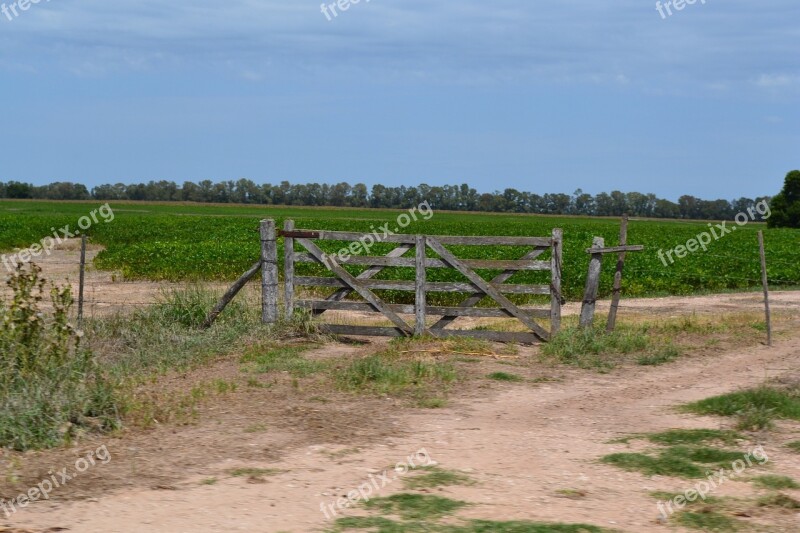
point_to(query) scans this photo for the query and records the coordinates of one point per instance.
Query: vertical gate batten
(555, 277)
(420, 300)
(288, 270)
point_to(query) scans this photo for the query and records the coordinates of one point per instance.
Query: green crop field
(209, 242)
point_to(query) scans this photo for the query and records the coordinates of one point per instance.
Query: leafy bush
(51, 388)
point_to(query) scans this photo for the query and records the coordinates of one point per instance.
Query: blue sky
(545, 96)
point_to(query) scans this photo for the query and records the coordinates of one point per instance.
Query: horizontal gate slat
(541, 242)
(486, 264)
(310, 281)
(479, 312)
(371, 331)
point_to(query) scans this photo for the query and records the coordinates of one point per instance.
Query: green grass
(794, 446)
(415, 506)
(377, 524)
(694, 436)
(755, 408)
(775, 482)
(596, 349)
(707, 521)
(436, 477)
(778, 501)
(505, 376)
(180, 242)
(678, 461)
(384, 374)
(266, 359)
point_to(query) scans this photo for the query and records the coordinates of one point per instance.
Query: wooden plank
(288, 270)
(542, 242)
(367, 331)
(420, 301)
(592, 285)
(408, 309)
(372, 331)
(475, 298)
(486, 287)
(496, 336)
(367, 274)
(482, 264)
(232, 291)
(269, 273)
(616, 249)
(299, 234)
(397, 285)
(556, 261)
(357, 285)
(765, 283)
(616, 291)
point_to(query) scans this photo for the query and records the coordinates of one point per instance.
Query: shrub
(51, 388)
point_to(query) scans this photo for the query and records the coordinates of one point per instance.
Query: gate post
(269, 272)
(592, 284)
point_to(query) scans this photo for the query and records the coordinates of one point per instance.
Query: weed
(694, 436)
(756, 408)
(794, 446)
(707, 521)
(265, 359)
(780, 501)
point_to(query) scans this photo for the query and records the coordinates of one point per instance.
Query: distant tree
(785, 206)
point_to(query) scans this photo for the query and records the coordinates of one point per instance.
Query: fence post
(765, 283)
(555, 281)
(421, 301)
(82, 281)
(592, 284)
(288, 270)
(269, 272)
(617, 291)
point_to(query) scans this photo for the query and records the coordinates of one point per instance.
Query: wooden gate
(365, 284)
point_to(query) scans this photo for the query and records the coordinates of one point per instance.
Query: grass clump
(51, 387)
(594, 348)
(778, 501)
(707, 521)
(384, 374)
(794, 446)
(678, 461)
(674, 437)
(262, 360)
(505, 376)
(437, 477)
(755, 408)
(776, 482)
(415, 506)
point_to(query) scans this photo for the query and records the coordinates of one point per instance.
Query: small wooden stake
(555, 282)
(592, 284)
(617, 291)
(765, 283)
(82, 280)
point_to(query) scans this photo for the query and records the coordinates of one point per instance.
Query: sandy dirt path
(522, 444)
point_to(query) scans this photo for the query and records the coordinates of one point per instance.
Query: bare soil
(522, 442)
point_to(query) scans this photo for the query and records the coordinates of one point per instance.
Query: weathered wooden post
(765, 283)
(617, 290)
(421, 300)
(288, 270)
(592, 284)
(555, 281)
(269, 272)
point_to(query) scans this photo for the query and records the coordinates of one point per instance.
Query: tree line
(446, 197)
